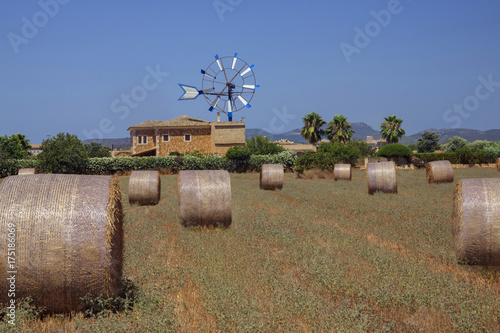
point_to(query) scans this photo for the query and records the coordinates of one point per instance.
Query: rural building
(299, 148)
(185, 134)
(375, 143)
(35, 150)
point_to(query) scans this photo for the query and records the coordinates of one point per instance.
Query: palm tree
(391, 129)
(339, 129)
(312, 127)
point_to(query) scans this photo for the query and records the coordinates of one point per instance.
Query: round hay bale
(382, 177)
(498, 164)
(144, 187)
(204, 197)
(68, 237)
(439, 172)
(30, 171)
(476, 221)
(272, 177)
(342, 172)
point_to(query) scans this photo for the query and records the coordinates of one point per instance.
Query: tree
(391, 129)
(261, 145)
(312, 131)
(339, 130)
(428, 143)
(14, 147)
(64, 153)
(454, 144)
(95, 149)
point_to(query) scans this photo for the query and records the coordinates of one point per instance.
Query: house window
(139, 139)
(187, 137)
(142, 139)
(166, 138)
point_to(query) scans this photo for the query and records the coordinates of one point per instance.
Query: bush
(11, 167)
(431, 157)
(286, 158)
(428, 143)
(238, 153)
(454, 144)
(64, 153)
(395, 150)
(261, 145)
(345, 153)
(493, 150)
(365, 150)
(95, 149)
(175, 153)
(319, 160)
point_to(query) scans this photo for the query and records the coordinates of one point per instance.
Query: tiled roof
(182, 121)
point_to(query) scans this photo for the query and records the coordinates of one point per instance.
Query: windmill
(228, 85)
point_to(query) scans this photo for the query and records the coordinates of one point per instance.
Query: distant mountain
(468, 134)
(362, 130)
(116, 143)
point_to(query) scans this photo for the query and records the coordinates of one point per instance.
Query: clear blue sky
(65, 75)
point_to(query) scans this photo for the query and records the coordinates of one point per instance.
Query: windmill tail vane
(228, 86)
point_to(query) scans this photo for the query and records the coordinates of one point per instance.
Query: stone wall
(200, 140)
(150, 141)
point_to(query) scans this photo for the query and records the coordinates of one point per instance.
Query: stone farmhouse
(185, 134)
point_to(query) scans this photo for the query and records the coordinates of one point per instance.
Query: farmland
(317, 256)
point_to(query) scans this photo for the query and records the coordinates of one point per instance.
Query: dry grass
(27, 171)
(317, 256)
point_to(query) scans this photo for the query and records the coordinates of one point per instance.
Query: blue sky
(65, 65)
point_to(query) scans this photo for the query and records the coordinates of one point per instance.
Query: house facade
(185, 134)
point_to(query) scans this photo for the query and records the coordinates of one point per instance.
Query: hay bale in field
(272, 177)
(382, 177)
(27, 171)
(68, 238)
(204, 197)
(476, 221)
(342, 172)
(498, 164)
(439, 172)
(144, 187)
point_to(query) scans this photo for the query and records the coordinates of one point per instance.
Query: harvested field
(319, 256)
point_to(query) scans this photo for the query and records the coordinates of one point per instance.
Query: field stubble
(317, 256)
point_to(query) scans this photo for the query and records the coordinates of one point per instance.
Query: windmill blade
(190, 92)
(208, 74)
(245, 103)
(247, 70)
(234, 60)
(218, 61)
(251, 86)
(214, 103)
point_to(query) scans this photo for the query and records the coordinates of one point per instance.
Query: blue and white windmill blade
(190, 92)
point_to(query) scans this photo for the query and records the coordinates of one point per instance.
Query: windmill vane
(228, 85)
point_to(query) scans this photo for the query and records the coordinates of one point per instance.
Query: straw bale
(342, 172)
(30, 171)
(69, 238)
(272, 177)
(144, 187)
(382, 177)
(204, 197)
(439, 172)
(476, 221)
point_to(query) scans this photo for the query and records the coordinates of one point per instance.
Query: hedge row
(461, 157)
(110, 165)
